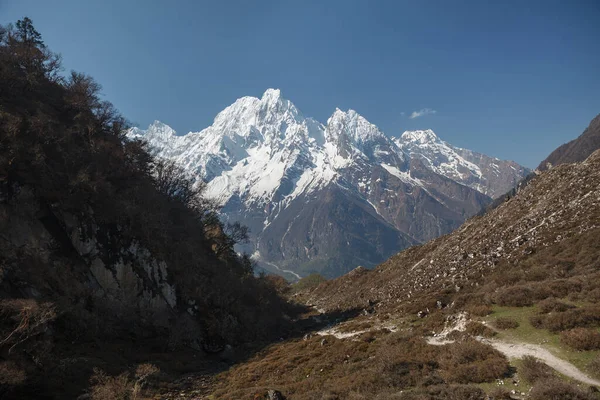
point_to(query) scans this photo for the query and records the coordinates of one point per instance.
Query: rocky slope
(326, 198)
(577, 149)
(555, 219)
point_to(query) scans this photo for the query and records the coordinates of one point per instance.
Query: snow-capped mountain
(488, 175)
(326, 198)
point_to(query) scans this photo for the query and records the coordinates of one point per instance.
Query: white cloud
(421, 113)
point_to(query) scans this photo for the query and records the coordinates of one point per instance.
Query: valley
(271, 256)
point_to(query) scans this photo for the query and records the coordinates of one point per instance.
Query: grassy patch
(527, 333)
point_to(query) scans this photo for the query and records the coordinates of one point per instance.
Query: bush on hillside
(554, 389)
(471, 361)
(479, 329)
(581, 338)
(533, 370)
(582, 317)
(480, 310)
(515, 296)
(553, 305)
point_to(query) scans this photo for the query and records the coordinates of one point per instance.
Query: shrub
(23, 319)
(572, 318)
(553, 389)
(551, 304)
(478, 329)
(499, 394)
(106, 387)
(472, 362)
(581, 339)
(506, 323)
(480, 310)
(121, 387)
(537, 321)
(515, 296)
(456, 392)
(533, 370)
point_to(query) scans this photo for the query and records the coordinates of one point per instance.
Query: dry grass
(594, 366)
(506, 323)
(125, 386)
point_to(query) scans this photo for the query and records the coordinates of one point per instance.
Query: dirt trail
(519, 350)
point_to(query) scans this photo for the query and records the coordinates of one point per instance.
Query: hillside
(540, 223)
(107, 255)
(577, 149)
(329, 197)
(458, 317)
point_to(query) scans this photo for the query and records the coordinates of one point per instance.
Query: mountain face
(488, 175)
(329, 197)
(576, 150)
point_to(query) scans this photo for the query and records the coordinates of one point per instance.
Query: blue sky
(512, 79)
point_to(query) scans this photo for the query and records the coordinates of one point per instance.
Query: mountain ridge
(260, 155)
(577, 149)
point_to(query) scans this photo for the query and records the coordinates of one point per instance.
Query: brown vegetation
(554, 389)
(581, 338)
(506, 323)
(534, 370)
(480, 310)
(588, 316)
(473, 361)
(63, 150)
(594, 366)
(478, 329)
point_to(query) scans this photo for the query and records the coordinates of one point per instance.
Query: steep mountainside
(326, 198)
(100, 241)
(577, 149)
(549, 220)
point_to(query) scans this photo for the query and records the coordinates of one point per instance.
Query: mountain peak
(420, 136)
(353, 125)
(161, 129)
(271, 95)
